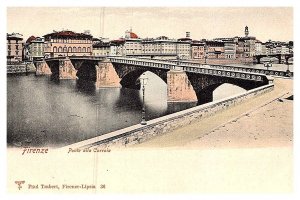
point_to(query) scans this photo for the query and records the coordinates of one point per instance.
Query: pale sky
(264, 23)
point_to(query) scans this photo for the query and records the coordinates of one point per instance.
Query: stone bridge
(280, 57)
(186, 82)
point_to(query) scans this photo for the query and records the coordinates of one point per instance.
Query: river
(43, 112)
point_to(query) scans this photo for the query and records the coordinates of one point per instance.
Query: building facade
(14, 44)
(263, 49)
(132, 44)
(160, 45)
(215, 49)
(34, 48)
(258, 48)
(184, 47)
(68, 43)
(101, 49)
(198, 50)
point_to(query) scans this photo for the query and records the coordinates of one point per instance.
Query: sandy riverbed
(246, 148)
(263, 121)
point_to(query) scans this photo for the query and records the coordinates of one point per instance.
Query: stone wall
(42, 68)
(30, 67)
(180, 88)
(106, 75)
(66, 69)
(16, 68)
(20, 68)
(139, 133)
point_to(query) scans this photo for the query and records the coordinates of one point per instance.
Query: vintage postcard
(149, 100)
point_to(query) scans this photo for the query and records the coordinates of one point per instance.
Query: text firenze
(29, 150)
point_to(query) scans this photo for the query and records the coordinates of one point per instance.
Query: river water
(43, 112)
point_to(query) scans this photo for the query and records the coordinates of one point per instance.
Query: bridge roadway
(236, 68)
(216, 70)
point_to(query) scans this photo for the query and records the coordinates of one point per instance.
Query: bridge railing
(252, 70)
(203, 69)
(225, 73)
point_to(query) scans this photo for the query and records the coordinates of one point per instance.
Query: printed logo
(19, 183)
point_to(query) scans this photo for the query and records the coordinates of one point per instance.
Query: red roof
(68, 34)
(30, 39)
(133, 35)
(118, 41)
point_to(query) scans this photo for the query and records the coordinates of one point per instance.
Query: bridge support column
(42, 68)
(106, 75)
(66, 69)
(179, 87)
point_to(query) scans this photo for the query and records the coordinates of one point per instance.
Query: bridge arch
(225, 90)
(204, 85)
(86, 71)
(129, 74)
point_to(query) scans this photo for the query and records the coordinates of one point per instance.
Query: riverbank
(15, 68)
(253, 123)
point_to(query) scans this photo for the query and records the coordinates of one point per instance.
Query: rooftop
(67, 34)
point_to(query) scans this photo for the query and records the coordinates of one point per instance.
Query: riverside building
(68, 43)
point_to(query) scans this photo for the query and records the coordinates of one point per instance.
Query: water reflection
(43, 112)
(85, 86)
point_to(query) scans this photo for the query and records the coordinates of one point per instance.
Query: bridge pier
(179, 87)
(106, 75)
(42, 68)
(66, 69)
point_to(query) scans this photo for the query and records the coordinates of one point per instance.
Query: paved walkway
(263, 121)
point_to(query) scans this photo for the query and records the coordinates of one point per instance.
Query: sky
(275, 23)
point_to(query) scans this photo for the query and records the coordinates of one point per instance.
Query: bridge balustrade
(227, 71)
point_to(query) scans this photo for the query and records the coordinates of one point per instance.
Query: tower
(187, 34)
(246, 31)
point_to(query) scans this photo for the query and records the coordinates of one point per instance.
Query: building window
(65, 49)
(74, 49)
(60, 49)
(54, 49)
(79, 49)
(70, 49)
(83, 49)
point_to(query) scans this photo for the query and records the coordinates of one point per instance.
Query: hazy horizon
(274, 23)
